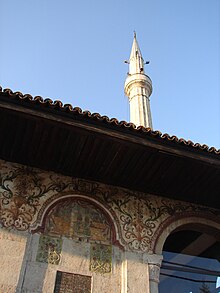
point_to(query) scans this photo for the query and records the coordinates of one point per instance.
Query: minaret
(138, 88)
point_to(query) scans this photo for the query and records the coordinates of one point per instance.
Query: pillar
(154, 263)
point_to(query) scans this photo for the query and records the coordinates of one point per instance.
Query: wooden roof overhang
(47, 135)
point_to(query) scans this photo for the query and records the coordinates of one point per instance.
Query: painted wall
(102, 238)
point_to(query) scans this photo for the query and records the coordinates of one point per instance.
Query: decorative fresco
(69, 283)
(100, 258)
(49, 250)
(22, 190)
(26, 193)
(78, 219)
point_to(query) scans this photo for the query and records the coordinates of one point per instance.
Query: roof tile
(58, 105)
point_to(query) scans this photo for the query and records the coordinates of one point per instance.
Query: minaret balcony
(138, 80)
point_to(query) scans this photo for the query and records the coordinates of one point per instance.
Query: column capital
(153, 259)
(154, 273)
(154, 262)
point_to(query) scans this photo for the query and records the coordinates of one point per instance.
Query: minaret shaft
(138, 88)
(140, 113)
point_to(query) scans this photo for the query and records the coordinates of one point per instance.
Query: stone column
(154, 263)
(134, 276)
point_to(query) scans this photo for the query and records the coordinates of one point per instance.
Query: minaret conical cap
(136, 61)
(135, 50)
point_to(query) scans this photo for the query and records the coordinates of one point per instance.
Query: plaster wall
(137, 222)
(12, 249)
(22, 273)
(75, 258)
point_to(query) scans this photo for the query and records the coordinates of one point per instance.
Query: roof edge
(57, 106)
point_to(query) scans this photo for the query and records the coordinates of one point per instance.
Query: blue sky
(74, 51)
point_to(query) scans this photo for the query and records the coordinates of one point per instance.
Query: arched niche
(77, 217)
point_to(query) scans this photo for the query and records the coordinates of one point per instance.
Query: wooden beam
(116, 134)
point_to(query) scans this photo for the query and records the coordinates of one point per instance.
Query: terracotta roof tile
(58, 105)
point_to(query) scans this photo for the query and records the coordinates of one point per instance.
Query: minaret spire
(138, 88)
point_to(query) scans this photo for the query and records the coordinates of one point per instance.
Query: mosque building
(89, 204)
